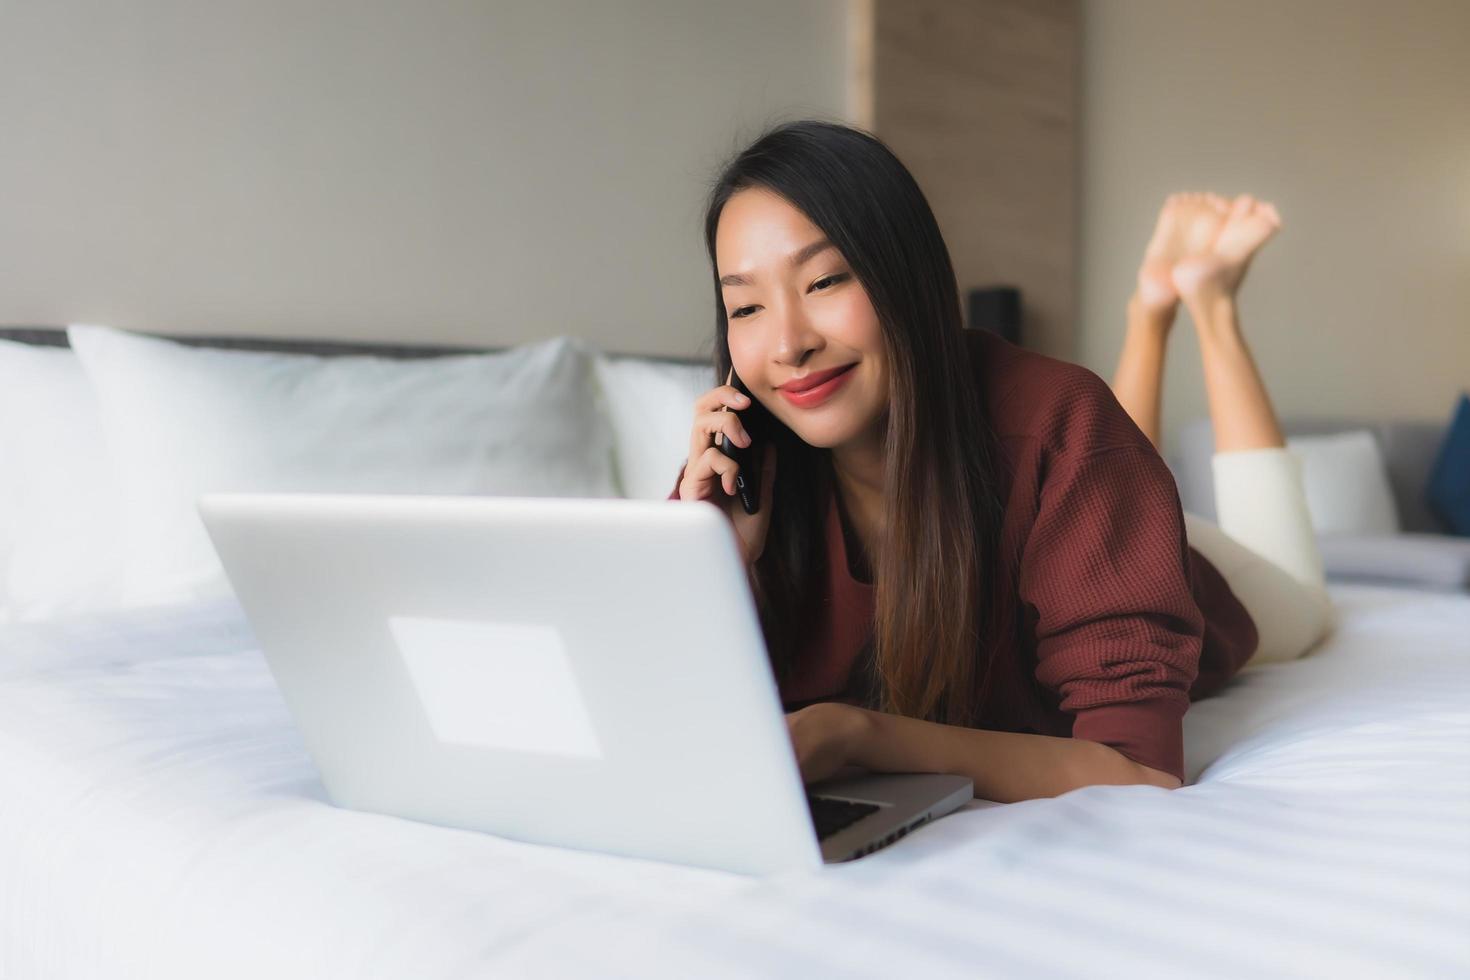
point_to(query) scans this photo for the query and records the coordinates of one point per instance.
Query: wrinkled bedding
(160, 818)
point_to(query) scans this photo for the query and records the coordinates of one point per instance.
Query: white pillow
(1346, 483)
(58, 514)
(180, 421)
(651, 406)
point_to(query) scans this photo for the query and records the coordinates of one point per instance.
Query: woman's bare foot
(1188, 225)
(1217, 271)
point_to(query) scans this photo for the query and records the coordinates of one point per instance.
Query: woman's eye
(826, 282)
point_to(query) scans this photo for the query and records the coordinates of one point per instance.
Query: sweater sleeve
(1104, 572)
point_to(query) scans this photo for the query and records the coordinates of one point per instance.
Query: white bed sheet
(159, 818)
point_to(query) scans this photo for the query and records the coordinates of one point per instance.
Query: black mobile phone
(748, 477)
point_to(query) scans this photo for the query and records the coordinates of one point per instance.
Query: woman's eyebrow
(797, 258)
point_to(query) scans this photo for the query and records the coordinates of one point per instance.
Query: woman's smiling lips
(809, 397)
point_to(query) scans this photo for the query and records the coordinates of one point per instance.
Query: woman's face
(795, 310)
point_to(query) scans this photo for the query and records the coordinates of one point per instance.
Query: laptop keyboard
(831, 815)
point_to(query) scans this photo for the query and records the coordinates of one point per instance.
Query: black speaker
(997, 309)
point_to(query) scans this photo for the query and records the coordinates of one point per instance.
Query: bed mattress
(160, 818)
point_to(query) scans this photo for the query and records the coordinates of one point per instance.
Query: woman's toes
(1250, 225)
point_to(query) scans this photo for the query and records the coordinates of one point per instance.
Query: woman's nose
(794, 337)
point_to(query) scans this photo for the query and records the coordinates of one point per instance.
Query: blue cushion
(1448, 493)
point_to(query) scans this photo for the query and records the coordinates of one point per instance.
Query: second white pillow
(1346, 484)
(651, 406)
(180, 421)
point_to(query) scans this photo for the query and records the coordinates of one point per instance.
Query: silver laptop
(583, 673)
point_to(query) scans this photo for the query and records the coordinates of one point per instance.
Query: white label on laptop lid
(497, 685)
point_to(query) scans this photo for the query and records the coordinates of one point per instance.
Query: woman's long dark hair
(938, 615)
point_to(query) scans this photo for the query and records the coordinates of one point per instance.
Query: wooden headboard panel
(56, 337)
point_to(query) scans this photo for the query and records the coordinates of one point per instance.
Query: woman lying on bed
(969, 557)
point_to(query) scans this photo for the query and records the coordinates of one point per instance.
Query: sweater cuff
(1150, 732)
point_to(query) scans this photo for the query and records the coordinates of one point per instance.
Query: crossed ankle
(1212, 309)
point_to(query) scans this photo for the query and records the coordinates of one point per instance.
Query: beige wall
(481, 172)
(475, 172)
(1354, 117)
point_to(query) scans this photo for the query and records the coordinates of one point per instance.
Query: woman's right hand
(710, 474)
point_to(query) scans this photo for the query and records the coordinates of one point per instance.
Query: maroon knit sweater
(1121, 623)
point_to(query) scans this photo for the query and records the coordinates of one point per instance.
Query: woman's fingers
(714, 462)
(719, 395)
(715, 412)
(702, 472)
(730, 424)
(708, 426)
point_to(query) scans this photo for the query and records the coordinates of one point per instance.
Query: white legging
(1266, 549)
